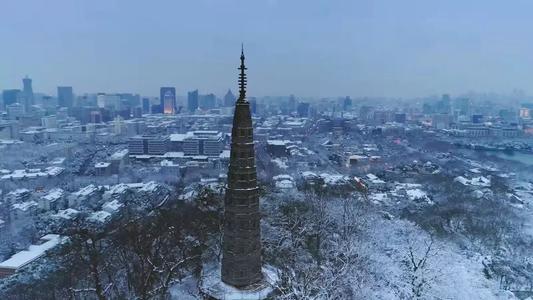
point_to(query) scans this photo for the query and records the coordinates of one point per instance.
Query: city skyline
(367, 48)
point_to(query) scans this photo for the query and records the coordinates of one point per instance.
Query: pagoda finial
(242, 78)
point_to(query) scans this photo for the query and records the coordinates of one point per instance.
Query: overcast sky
(304, 47)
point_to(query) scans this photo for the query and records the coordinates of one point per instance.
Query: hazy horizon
(324, 48)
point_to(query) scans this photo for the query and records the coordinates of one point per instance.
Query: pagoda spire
(242, 78)
(241, 257)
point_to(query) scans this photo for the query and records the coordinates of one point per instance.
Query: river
(525, 158)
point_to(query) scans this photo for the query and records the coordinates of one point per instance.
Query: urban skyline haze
(318, 48)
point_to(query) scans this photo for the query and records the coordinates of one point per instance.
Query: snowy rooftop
(150, 186)
(168, 163)
(309, 175)
(120, 154)
(117, 189)
(285, 184)
(54, 194)
(112, 206)
(102, 165)
(280, 163)
(99, 216)
(67, 214)
(278, 142)
(282, 177)
(33, 173)
(374, 179)
(86, 191)
(178, 137)
(57, 161)
(24, 206)
(333, 179)
(18, 192)
(34, 252)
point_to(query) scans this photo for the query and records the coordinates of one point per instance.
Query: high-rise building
(462, 106)
(253, 105)
(27, 87)
(241, 258)
(303, 109)
(400, 118)
(130, 100)
(365, 113)
(109, 101)
(207, 101)
(27, 93)
(192, 101)
(10, 96)
(167, 96)
(229, 99)
(347, 103)
(65, 96)
(291, 104)
(146, 105)
(444, 105)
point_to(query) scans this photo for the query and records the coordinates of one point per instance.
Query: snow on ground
(479, 165)
(187, 289)
(457, 274)
(462, 277)
(212, 284)
(475, 181)
(417, 194)
(378, 198)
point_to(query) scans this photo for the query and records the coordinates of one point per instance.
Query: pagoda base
(212, 286)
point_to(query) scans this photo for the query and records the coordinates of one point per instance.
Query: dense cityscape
(451, 170)
(191, 151)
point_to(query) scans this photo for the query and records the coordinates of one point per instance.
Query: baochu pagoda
(241, 274)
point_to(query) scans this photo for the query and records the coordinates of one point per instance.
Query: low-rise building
(148, 144)
(26, 257)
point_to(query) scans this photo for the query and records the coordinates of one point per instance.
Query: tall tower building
(65, 96)
(168, 100)
(241, 258)
(207, 101)
(192, 101)
(10, 96)
(27, 93)
(229, 99)
(27, 88)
